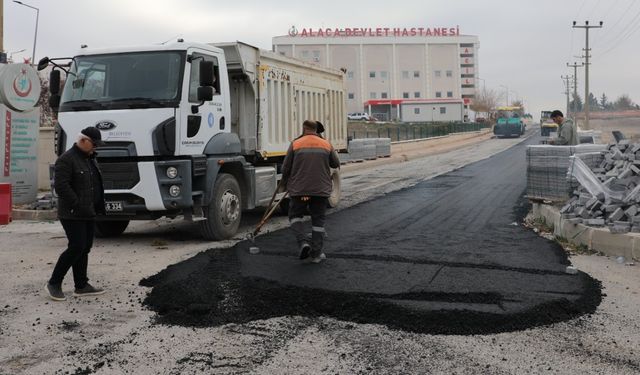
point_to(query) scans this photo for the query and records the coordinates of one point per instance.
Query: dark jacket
(307, 167)
(75, 187)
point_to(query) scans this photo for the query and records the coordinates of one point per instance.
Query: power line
(594, 8)
(604, 39)
(624, 39)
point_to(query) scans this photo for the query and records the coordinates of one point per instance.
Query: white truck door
(197, 128)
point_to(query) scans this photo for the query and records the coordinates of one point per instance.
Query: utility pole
(1, 29)
(575, 67)
(587, 52)
(567, 90)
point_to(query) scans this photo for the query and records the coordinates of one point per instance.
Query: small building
(416, 110)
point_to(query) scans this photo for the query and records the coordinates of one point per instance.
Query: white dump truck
(198, 130)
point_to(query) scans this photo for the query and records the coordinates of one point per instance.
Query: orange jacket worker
(307, 174)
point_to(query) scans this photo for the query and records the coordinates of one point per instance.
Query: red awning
(412, 101)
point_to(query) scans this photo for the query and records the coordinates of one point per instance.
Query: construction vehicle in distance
(509, 122)
(198, 130)
(547, 126)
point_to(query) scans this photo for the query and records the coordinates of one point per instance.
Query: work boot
(55, 292)
(305, 249)
(88, 290)
(317, 256)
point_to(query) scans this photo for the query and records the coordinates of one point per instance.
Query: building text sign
(374, 32)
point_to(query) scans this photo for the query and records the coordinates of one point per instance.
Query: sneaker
(88, 290)
(319, 258)
(305, 249)
(55, 292)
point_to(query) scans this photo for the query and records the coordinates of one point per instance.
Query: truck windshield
(124, 81)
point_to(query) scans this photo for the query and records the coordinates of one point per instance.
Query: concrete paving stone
(617, 215)
(625, 173)
(611, 207)
(594, 222)
(631, 211)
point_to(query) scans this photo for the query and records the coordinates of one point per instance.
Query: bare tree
(47, 115)
(485, 101)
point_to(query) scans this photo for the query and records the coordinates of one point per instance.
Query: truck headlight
(172, 172)
(174, 190)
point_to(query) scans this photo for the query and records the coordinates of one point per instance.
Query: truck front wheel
(110, 228)
(224, 212)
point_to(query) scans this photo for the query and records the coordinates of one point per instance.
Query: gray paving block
(594, 222)
(631, 211)
(617, 215)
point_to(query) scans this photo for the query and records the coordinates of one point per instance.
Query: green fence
(410, 131)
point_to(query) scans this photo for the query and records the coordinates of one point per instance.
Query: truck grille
(119, 175)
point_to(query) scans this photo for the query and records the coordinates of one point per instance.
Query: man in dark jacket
(78, 183)
(306, 171)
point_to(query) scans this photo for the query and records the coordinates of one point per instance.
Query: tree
(576, 103)
(47, 115)
(623, 103)
(485, 101)
(518, 103)
(593, 103)
(604, 103)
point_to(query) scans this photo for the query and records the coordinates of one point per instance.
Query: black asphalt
(449, 255)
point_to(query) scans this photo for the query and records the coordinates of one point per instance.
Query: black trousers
(76, 256)
(317, 207)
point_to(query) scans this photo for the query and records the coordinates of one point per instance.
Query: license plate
(113, 206)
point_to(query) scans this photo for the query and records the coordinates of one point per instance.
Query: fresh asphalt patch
(446, 256)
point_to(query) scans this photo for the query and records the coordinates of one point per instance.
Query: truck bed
(271, 95)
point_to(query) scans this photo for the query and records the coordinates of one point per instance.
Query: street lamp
(507, 91)
(14, 52)
(35, 37)
(484, 86)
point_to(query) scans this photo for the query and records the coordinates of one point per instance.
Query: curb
(34, 215)
(598, 239)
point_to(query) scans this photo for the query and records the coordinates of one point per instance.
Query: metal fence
(410, 131)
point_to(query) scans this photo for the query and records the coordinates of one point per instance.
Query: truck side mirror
(206, 73)
(54, 82)
(43, 63)
(54, 102)
(205, 93)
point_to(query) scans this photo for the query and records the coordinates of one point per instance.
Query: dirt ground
(115, 333)
(630, 127)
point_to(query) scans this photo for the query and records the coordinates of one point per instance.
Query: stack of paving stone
(547, 168)
(366, 149)
(369, 145)
(383, 147)
(613, 195)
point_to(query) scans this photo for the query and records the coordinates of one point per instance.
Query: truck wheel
(225, 210)
(336, 192)
(110, 228)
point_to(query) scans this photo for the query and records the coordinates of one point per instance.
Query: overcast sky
(524, 44)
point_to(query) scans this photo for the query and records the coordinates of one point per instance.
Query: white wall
(427, 112)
